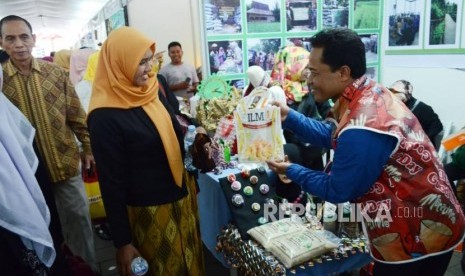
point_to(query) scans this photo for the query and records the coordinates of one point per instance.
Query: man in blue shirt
(382, 160)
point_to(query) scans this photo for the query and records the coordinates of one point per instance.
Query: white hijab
(22, 206)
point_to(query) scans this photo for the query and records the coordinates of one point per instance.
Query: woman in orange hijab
(149, 197)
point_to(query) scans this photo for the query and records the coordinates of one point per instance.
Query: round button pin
(248, 191)
(264, 189)
(253, 179)
(237, 200)
(231, 178)
(262, 220)
(236, 186)
(245, 173)
(255, 207)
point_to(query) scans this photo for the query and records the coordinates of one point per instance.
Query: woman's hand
(124, 257)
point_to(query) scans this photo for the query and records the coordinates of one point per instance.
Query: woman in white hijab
(27, 246)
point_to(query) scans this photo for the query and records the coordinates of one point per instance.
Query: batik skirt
(168, 235)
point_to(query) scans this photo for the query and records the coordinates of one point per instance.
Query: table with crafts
(215, 225)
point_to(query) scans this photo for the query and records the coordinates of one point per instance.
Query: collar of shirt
(10, 69)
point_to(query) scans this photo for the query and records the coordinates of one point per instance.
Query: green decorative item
(214, 87)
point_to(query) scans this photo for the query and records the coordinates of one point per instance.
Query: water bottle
(188, 141)
(139, 266)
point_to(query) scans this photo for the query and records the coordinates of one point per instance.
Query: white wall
(441, 88)
(167, 21)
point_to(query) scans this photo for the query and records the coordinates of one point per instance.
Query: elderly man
(43, 93)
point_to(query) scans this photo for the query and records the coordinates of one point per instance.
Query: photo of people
(335, 13)
(301, 15)
(261, 52)
(372, 73)
(239, 83)
(371, 46)
(222, 17)
(443, 15)
(118, 19)
(404, 22)
(366, 14)
(300, 42)
(263, 16)
(225, 57)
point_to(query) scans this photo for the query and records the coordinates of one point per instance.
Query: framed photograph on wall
(367, 14)
(404, 22)
(222, 17)
(371, 47)
(300, 42)
(335, 13)
(263, 16)
(225, 57)
(262, 51)
(301, 15)
(443, 23)
(116, 20)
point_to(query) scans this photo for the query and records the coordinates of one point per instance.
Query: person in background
(89, 74)
(62, 59)
(78, 64)
(181, 77)
(425, 114)
(84, 78)
(44, 94)
(138, 145)
(381, 160)
(47, 58)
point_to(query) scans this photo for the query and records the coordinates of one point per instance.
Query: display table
(215, 215)
(213, 210)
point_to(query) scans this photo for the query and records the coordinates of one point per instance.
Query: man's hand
(284, 109)
(124, 257)
(279, 167)
(182, 85)
(88, 161)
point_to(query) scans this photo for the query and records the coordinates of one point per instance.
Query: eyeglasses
(306, 73)
(146, 61)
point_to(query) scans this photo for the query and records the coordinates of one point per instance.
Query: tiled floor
(106, 261)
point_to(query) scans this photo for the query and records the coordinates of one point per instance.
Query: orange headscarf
(113, 87)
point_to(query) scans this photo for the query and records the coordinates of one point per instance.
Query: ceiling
(54, 18)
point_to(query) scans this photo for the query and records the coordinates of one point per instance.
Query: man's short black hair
(341, 47)
(174, 44)
(13, 18)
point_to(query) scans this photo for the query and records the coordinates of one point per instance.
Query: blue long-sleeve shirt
(358, 160)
